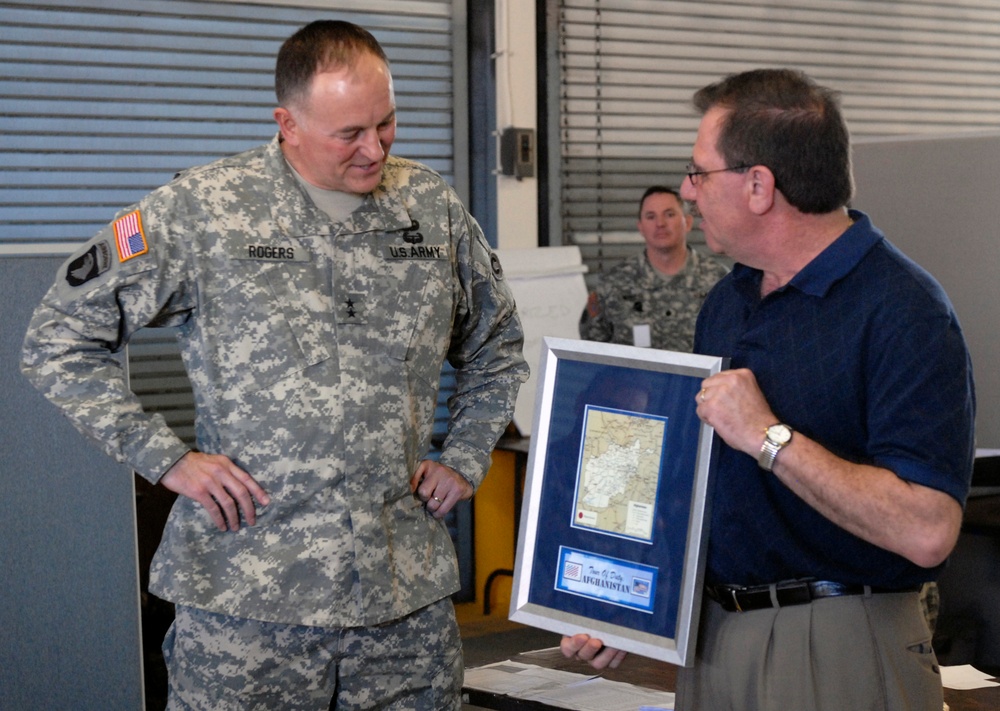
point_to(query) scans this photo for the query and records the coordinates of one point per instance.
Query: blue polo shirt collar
(831, 265)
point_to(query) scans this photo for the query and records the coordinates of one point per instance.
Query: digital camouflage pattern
(633, 293)
(412, 664)
(314, 350)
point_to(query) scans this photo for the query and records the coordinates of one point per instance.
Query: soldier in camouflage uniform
(318, 286)
(661, 289)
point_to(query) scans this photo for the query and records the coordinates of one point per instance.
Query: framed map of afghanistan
(614, 517)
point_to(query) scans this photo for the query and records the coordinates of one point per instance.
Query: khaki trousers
(851, 653)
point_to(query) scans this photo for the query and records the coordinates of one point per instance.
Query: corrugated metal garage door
(625, 71)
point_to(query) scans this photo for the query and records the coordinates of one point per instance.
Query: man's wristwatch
(775, 437)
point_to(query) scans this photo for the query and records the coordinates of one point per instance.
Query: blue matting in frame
(581, 384)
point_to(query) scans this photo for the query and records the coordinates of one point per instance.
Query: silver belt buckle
(736, 602)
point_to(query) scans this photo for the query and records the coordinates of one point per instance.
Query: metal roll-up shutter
(623, 72)
(104, 101)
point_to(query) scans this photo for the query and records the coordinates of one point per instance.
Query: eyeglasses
(694, 175)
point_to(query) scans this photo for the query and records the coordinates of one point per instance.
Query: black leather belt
(737, 598)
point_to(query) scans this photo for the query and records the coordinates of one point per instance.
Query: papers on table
(563, 689)
(583, 692)
(965, 676)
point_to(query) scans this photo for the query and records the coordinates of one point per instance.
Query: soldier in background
(318, 286)
(654, 298)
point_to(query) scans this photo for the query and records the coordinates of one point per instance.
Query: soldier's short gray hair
(319, 46)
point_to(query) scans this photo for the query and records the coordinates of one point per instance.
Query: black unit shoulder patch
(92, 263)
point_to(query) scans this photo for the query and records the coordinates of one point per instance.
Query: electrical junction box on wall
(517, 152)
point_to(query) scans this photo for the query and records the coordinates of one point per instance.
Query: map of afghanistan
(619, 472)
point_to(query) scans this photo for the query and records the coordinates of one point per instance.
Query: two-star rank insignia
(352, 309)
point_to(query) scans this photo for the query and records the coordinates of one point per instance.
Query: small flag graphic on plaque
(129, 237)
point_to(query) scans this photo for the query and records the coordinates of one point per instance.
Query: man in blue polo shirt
(847, 421)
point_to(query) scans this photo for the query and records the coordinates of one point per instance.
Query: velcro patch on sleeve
(129, 236)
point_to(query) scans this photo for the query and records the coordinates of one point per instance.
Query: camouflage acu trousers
(221, 663)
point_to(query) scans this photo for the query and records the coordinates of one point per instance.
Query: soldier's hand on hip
(215, 482)
(440, 487)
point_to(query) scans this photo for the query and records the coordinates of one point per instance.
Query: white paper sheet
(965, 676)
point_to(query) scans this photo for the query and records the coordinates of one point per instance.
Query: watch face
(779, 434)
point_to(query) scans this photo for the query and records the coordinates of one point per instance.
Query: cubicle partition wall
(936, 199)
(69, 618)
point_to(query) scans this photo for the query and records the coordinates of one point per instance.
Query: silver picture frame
(614, 517)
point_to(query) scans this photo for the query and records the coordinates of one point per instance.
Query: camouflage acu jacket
(314, 350)
(634, 293)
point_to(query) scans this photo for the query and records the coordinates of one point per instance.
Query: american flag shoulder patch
(129, 236)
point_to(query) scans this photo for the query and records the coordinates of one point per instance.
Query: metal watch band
(768, 451)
